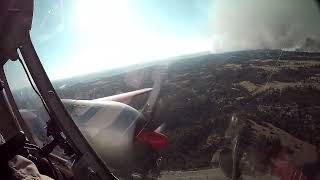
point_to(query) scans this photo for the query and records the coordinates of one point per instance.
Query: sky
(78, 37)
(263, 24)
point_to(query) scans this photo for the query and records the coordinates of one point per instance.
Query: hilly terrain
(197, 96)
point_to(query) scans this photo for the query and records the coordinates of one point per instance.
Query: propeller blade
(160, 128)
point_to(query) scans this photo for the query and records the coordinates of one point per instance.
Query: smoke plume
(259, 24)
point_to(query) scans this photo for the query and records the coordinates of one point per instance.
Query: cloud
(259, 24)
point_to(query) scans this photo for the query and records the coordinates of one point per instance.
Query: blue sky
(76, 37)
(79, 36)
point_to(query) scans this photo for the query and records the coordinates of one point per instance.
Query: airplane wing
(88, 108)
(124, 97)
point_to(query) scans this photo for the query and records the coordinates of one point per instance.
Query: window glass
(235, 84)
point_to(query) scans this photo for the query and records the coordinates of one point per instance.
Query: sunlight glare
(114, 37)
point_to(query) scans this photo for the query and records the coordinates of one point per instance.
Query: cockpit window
(29, 104)
(197, 89)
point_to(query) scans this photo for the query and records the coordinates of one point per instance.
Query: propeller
(160, 128)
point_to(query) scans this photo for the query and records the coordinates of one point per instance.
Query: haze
(79, 37)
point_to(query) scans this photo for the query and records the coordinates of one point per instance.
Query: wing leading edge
(124, 97)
